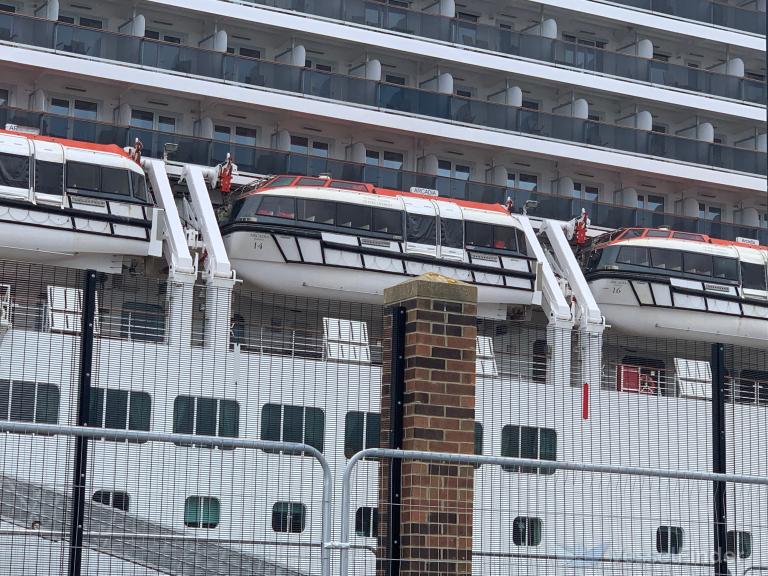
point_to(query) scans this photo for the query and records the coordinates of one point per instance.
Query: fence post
(430, 520)
(719, 459)
(83, 408)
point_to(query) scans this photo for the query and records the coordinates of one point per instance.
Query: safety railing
(402, 99)
(439, 502)
(96, 539)
(270, 161)
(400, 19)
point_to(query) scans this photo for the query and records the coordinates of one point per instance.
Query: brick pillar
(438, 416)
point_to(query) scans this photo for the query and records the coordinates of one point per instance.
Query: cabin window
(353, 216)
(349, 186)
(119, 500)
(83, 176)
(321, 182)
(289, 517)
(202, 512)
(139, 185)
(658, 234)
(119, 409)
(700, 264)
(451, 233)
(29, 402)
(688, 236)
(388, 221)
(361, 431)
(667, 259)
(669, 540)
(725, 268)
(286, 423)
(280, 182)
(206, 416)
(739, 544)
(753, 276)
(526, 531)
(14, 171)
(49, 177)
(277, 207)
(633, 255)
(505, 238)
(317, 211)
(632, 233)
(529, 442)
(367, 522)
(421, 229)
(479, 235)
(114, 181)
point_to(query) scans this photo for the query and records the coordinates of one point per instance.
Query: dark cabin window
(280, 182)
(479, 235)
(14, 171)
(451, 233)
(421, 229)
(139, 184)
(277, 207)
(49, 177)
(388, 221)
(504, 238)
(753, 276)
(700, 264)
(725, 268)
(317, 211)
(83, 176)
(115, 181)
(353, 216)
(667, 259)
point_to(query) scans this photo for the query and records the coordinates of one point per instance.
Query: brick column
(438, 416)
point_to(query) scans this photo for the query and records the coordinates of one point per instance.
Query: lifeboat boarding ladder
(584, 309)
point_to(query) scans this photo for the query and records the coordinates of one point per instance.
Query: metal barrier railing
(344, 544)
(208, 441)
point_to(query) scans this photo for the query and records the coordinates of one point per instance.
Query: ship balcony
(257, 160)
(101, 44)
(378, 95)
(400, 19)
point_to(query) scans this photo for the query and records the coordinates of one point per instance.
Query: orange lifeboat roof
(109, 148)
(350, 186)
(666, 234)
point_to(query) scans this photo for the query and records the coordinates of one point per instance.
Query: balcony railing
(404, 21)
(269, 161)
(446, 107)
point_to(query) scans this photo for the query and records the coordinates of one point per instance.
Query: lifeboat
(73, 203)
(314, 236)
(658, 282)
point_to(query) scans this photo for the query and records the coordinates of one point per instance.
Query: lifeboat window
(83, 176)
(349, 186)
(388, 221)
(725, 268)
(311, 182)
(667, 259)
(280, 182)
(353, 216)
(14, 171)
(688, 236)
(451, 233)
(658, 234)
(631, 233)
(504, 238)
(114, 181)
(139, 184)
(633, 255)
(522, 244)
(479, 235)
(277, 207)
(49, 177)
(245, 208)
(753, 276)
(421, 229)
(700, 264)
(317, 211)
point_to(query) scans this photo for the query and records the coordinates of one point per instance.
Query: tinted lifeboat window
(14, 171)
(311, 182)
(658, 233)
(632, 233)
(479, 235)
(522, 245)
(82, 176)
(139, 184)
(49, 177)
(725, 268)
(667, 260)
(246, 207)
(317, 211)
(421, 229)
(388, 221)
(633, 255)
(504, 238)
(277, 207)
(700, 264)
(753, 276)
(349, 186)
(451, 233)
(115, 181)
(353, 216)
(280, 182)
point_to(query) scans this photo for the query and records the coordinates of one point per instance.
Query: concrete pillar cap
(434, 286)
